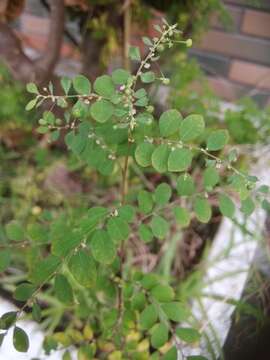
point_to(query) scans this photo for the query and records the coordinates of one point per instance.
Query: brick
(31, 24)
(240, 46)
(231, 92)
(256, 23)
(38, 43)
(226, 89)
(212, 64)
(236, 14)
(250, 74)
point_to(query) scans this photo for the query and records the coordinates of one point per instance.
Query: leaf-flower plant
(110, 307)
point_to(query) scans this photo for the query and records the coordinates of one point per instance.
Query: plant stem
(124, 178)
(127, 30)
(122, 247)
(151, 54)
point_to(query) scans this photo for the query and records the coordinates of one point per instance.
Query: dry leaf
(82, 4)
(11, 9)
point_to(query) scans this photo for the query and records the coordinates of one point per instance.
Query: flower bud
(189, 42)
(165, 81)
(160, 48)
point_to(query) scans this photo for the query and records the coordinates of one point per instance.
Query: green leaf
(104, 86)
(61, 102)
(4, 259)
(102, 110)
(145, 201)
(170, 355)
(31, 104)
(63, 289)
(32, 88)
(23, 292)
(49, 117)
(110, 318)
(158, 28)
(50, 86)
(148, 317)
(232, 155)
(159, 226)
(67, 355)
(118, 229)
(196, 357)
(169, 122)
(203, 210)
(163, 293)
(185, 185)
(134, 53)
(138, 301)
(94, 216)
(239, 184)
(264, 189)
(44, 270)
(145, 233)
(142, 102)
(106, 166)
(191, 127)
(2, 336)
(80, 109)
(143, 154)
(36, 312)
(217, 140)
(162, 194)
(175, 311)
(20, 340)
(64, 240)
(160, 158)
(66, 84)
(127, 212)
(86, 352)
(210, 178)
(226, 206)
(81, 85)
(54, 135)
(266, 205)
(7, 320)
(148, 77)
(247, 206)
(188, 335)
(120, 76)
(147, 41)
(15, 231)
(83, 268)
(42, 129)
(179, 160)
(159, 336)
(149, 281)
(140, 93)
(182, 216)
(49, 344)
(102, 247)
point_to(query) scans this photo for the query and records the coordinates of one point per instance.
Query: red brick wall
(238, 59)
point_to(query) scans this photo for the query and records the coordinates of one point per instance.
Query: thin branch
(46, 64)
(127, 33)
